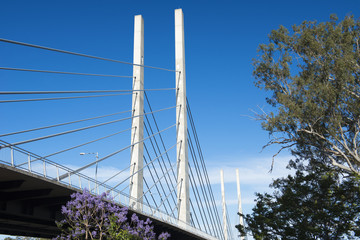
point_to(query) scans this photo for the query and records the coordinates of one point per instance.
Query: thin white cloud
(233, 201)
(254, 177)
(252, 172)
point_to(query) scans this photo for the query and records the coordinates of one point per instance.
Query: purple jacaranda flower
(95, 216)
(164, 236)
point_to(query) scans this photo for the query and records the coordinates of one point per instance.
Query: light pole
(96, 168)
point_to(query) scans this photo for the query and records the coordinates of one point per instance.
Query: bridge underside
(30, 205)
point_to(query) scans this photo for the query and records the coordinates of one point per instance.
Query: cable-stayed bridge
(69, 131)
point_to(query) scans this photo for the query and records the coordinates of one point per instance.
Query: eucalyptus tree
(312, 72)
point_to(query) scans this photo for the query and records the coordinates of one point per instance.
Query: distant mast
(223, 204)
(239, 200)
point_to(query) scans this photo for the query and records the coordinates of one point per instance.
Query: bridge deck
(30, 204)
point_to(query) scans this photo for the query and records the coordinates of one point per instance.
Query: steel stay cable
(203, 163)
(77, 146)
(155, 201)
(178, 203)
(171, 181)
(218, 229)
(153, 198)
(147, 201)
(61, 98)
(197, 201)
(119, 192)
(62, 124)
(157, 176)
(198, 172)
(79, 129)
(146, 128)
(112, 154)
(157, 207)
(158, 180)
(157, 127)
(179, 199)
(209, 213)
(79, 91)
(173, 209)
(161, 167)
(125, 188)
(191, 220)
(80, 54)
(167, 196)
(143, 167)
(59, 72)
(149, 189)
(215, 209)
(229, 222)
(208, 208)
(156, 186)
(150, 192)
(102, 183)
(196, 218)
(131, 170)
(192, 207)
(157, 145)
(192, 223)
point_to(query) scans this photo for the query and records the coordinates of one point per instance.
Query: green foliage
(316, 203)
(313, 75)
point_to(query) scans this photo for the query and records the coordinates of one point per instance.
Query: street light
(96, 168)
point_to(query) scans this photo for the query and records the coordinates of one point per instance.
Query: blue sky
(221, 38)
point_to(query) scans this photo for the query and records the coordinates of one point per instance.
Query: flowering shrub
(137, 229)
(96, 217)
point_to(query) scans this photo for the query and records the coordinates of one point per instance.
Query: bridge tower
(223, 204)
(239, 200)
(137, 131)
(181, 120)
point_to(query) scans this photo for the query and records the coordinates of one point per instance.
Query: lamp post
(96, 168)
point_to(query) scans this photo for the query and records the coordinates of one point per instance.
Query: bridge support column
(239, 199)
(137, 132)
(223, 204)
(181, 119)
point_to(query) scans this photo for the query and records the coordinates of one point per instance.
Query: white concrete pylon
(223, 204)
(239, 199)
(137, 132)
(181, 120)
